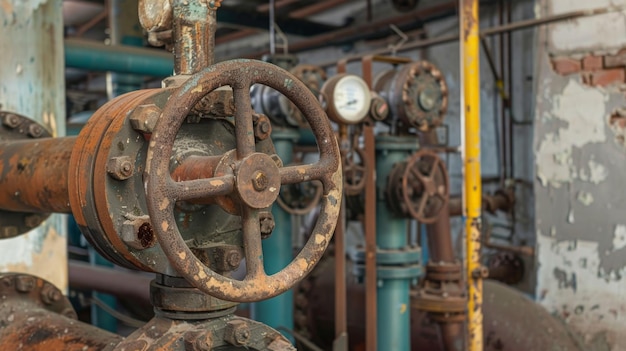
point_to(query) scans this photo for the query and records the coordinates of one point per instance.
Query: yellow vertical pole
(470, 51)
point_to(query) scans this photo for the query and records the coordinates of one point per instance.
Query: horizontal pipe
(34, 175)
(110, 281)
(94, 56)
(524, 24)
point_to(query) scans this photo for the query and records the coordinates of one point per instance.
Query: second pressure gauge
(348, 98)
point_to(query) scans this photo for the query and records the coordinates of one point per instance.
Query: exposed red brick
(606, 77)
(619, 60)
(566, 65)
(592, 63)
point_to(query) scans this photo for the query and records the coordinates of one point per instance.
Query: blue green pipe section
(278, 248)
(393, 280)
(88, 55)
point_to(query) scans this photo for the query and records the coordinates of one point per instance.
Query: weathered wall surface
(580, 166)
(32, 84)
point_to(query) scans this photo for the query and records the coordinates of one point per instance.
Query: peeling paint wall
(32, 83)
(579, 167)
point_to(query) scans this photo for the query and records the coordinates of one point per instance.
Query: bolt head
(266, 221)
(260, 181)
(35, 130)
(237, 332)
(138, 233)
(32, 221)
(121, 167)
(10, 120)
(24, 283)
(233, 258)
(144, 118)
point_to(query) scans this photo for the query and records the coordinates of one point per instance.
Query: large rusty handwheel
(254, 179)
(425, 186)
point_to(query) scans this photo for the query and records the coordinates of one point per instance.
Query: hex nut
(35, 130)
(144, 118)
(138, 233)
(197, 341)
(10, 120)
(50, 294)
(262, 127)
(266, 221)
(121, 167)
(33, 220)
(237, 332)
(24, 283)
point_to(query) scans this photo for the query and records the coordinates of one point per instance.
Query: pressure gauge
(348, 98)
(417, 94)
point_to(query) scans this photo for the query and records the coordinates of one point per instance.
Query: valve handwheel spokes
(253, 179)
(354, 168)
(425, 186)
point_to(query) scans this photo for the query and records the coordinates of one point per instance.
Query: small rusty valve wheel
(425, 189)
(354, 171)
(300, 199)
(253, 179)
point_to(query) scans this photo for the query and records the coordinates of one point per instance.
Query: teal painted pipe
(89, 55)
(278, 249)
(392, 298)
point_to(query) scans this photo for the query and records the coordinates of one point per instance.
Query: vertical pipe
(32, 83)
(194, 26)
(272, 28)
(470, 48)
(341, 318)
(371, 320)
(277, 312)
(392, 301)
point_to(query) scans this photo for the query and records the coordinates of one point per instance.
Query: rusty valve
(251, 179)
(419, 188)
(354, 170)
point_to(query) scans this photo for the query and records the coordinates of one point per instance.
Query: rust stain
(7, 6)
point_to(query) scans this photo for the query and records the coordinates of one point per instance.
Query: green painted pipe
(392, 299)
(277, 312)
(93, 56)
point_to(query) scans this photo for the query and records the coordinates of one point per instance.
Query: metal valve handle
(254, 179)
(425, 187)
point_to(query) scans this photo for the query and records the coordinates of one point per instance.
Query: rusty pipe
(500, 201)
(515, 323)
(194, 27)
(34, 175)
(35, 316)
(122, 284)
(37, 329)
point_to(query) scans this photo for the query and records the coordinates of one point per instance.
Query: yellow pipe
(470, 51)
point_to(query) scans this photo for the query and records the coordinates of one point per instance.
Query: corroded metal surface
(224, 333)
(419, 187)
(31, 162)
(193, 29)
(417, 94)
(512, 321)
(35, 316)
(354, 170)
(109, 200)
(163, 192)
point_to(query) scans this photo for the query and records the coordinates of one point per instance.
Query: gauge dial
(348, 98)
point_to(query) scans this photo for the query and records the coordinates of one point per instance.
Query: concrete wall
(579, 165)
(32, 84)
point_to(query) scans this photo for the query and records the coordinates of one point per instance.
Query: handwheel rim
(240, 75)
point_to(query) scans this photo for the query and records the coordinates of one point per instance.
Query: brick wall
(594, 70)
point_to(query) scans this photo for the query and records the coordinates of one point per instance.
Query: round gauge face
(351, 99)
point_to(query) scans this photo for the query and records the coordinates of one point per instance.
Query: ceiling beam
(254, 19)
